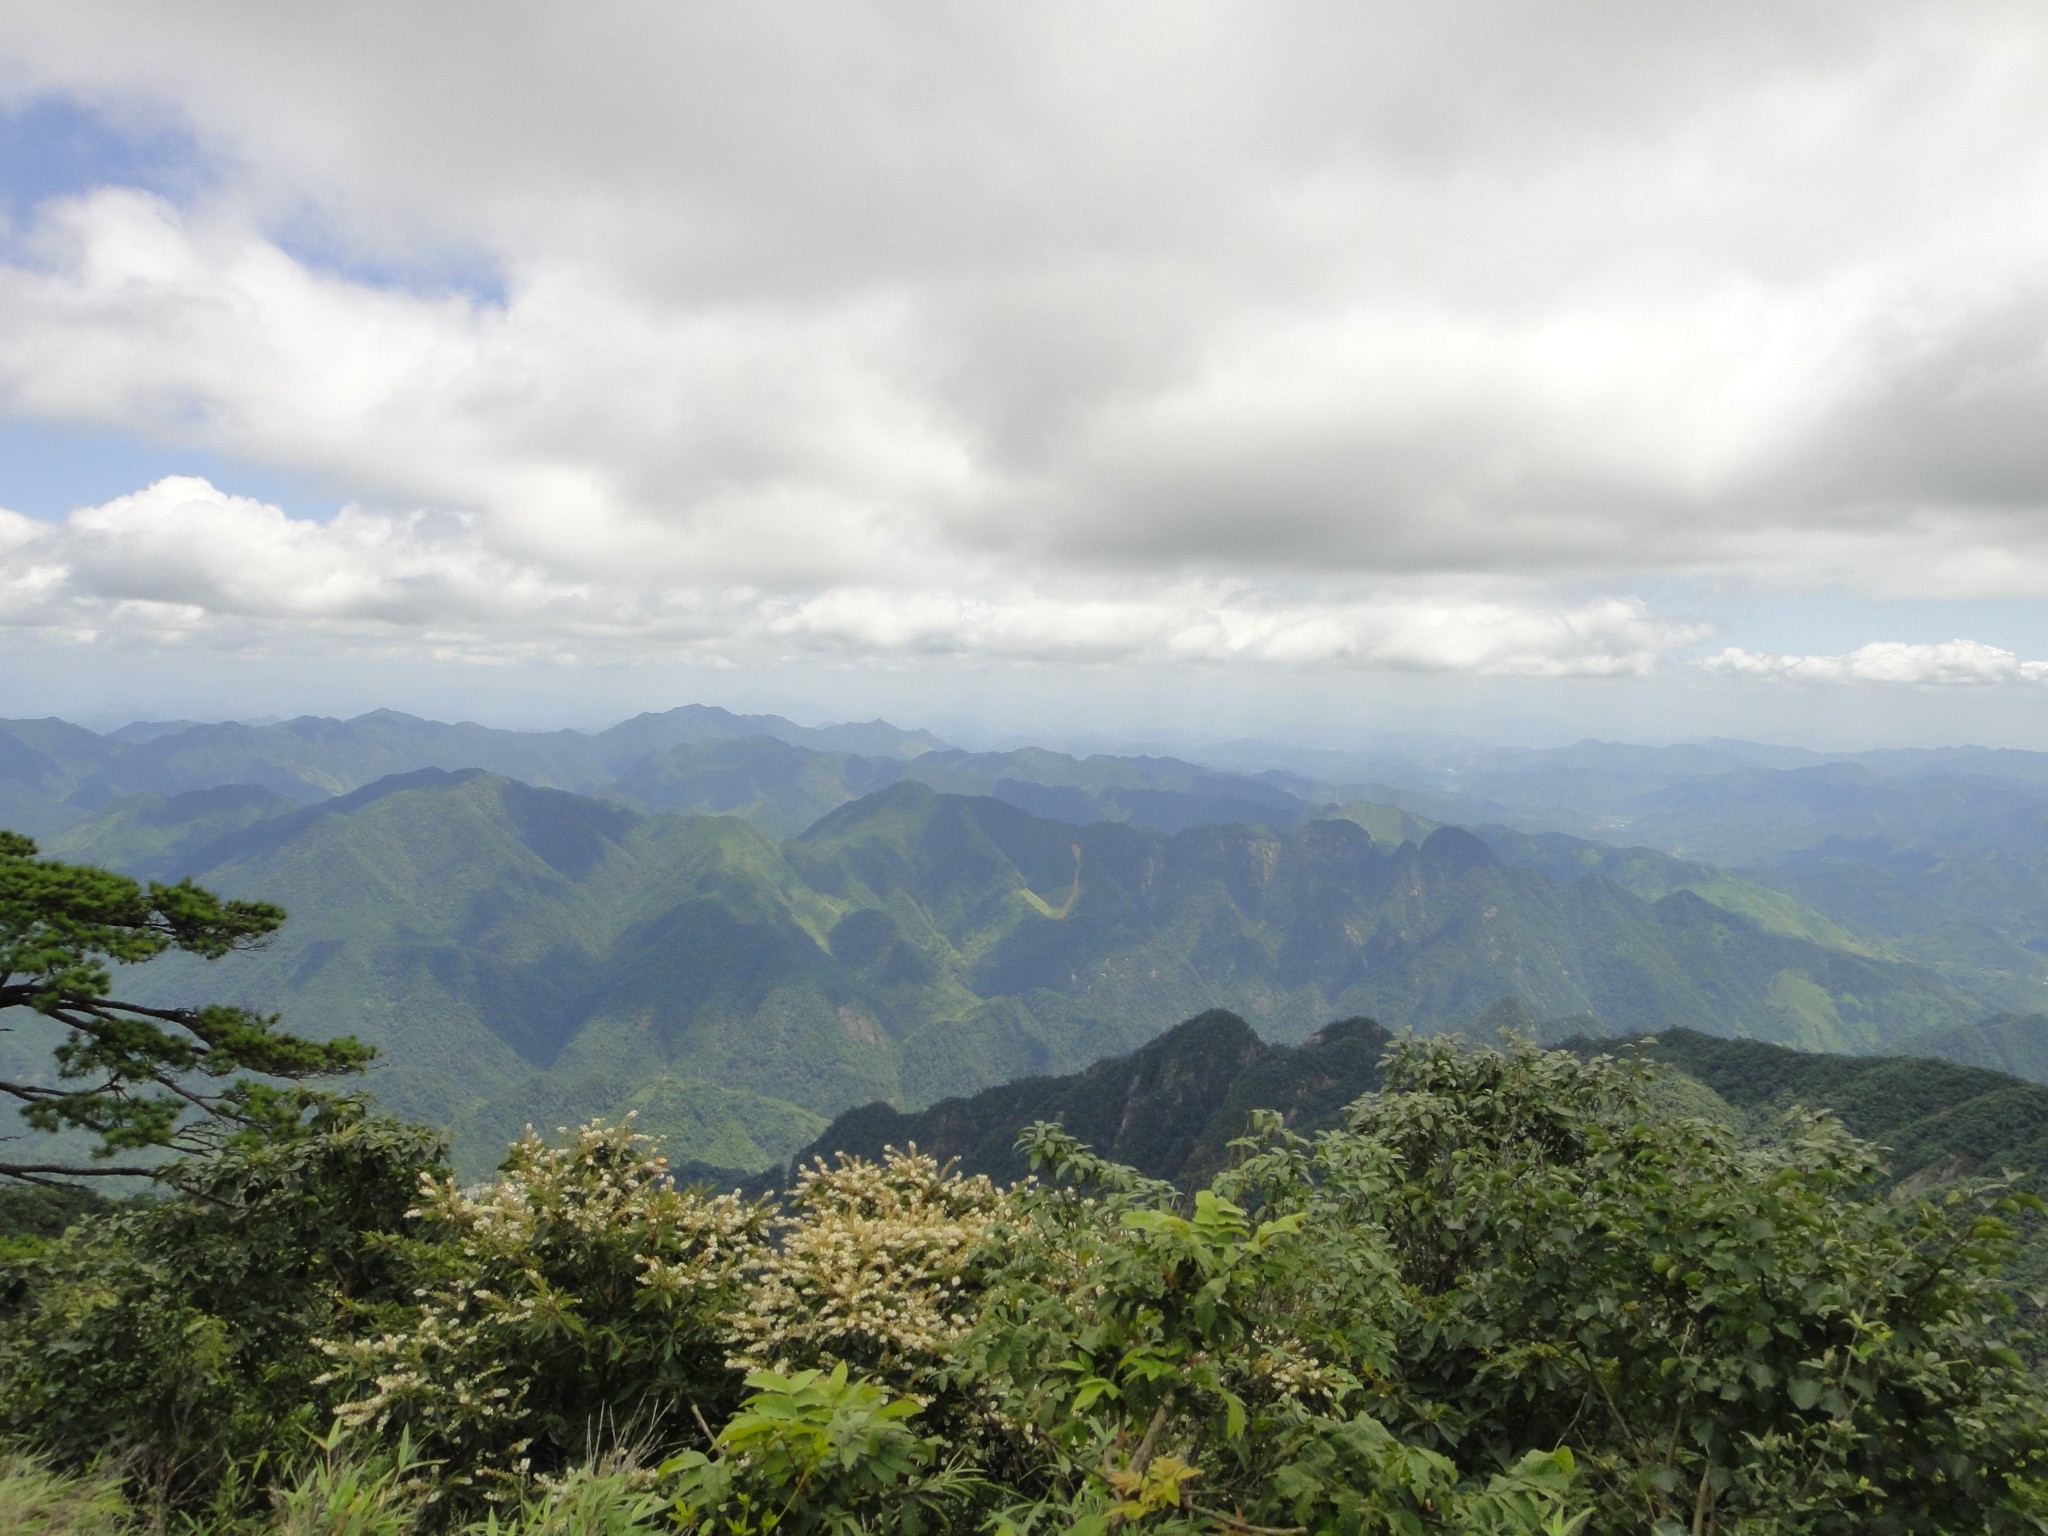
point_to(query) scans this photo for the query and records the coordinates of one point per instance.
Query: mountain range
(1934, 855)
(522, 953)
(739, 926)
(54, 774)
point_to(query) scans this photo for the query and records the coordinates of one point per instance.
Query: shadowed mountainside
(1171, 1109)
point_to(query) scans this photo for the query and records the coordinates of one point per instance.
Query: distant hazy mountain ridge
(53, 774)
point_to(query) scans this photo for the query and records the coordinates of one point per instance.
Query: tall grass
(344, 1494)
(339, 1494)
(36, 1501)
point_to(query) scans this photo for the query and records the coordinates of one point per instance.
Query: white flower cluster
(876, 1269)
(575, 1241)
(1285, 1369)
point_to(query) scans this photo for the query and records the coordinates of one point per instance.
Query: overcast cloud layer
(1327, 336)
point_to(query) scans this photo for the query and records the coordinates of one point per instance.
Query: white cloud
(1947, 664)
(1208, 625)
(582, 427)
(1307, 288)
(183, 561)
(1362, 336)
(181, 556)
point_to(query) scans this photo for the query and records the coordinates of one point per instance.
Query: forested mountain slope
(1172, 1108)
(2014, 1043)
(1168, 1109)
(1937, 1119)
(523, 953)
(1935, 857)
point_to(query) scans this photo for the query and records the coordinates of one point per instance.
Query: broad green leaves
(815, 1453)
(177, 1336)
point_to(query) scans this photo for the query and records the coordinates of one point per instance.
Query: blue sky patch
(55, 147)
(311, 241)
(47, 470)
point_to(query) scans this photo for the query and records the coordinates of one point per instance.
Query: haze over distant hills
(741, 926)
(53, 774)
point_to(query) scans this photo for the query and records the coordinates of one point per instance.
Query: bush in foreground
(1510, 1296)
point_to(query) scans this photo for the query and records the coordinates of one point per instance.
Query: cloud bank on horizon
(1493, 340)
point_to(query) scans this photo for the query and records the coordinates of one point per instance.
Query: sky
(1153, 370)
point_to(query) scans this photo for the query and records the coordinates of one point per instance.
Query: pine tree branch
(26, 1170)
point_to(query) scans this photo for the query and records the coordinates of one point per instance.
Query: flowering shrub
(877, 1269)
(580, 1298)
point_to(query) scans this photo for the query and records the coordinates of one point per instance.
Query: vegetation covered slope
(1395, 1326)
(1976, 913)
(1172, 1108)
(525, 954)
(2015, 1043)
(1939, 858)
(1169, 1109)
(1935, 1118)
(472, 925)
(1291, 930)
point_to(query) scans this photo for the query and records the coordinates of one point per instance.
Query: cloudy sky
(1159, 368)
